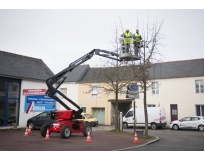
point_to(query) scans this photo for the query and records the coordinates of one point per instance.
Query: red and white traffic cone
(26, 132)
(135, 138)
(29, 129)
(88, 137)
(47, 134)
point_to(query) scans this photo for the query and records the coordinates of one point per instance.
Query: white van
(156, 117)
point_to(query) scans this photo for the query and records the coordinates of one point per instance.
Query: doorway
(99, 113)
(174, 112)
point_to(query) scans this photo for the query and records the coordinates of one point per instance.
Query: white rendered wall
(179, 91)
(72, 93)
(26, 84)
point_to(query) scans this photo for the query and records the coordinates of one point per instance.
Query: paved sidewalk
(102, 139)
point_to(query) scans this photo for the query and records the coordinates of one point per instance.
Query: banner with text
(37, 101)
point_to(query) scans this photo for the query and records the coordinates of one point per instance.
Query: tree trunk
(116, 112)
(145, 109)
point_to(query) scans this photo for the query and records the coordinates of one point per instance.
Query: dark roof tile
(165, 70)
(23, 67)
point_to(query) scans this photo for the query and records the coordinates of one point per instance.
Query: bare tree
(114, 75)
(150, 56)
(117, 75)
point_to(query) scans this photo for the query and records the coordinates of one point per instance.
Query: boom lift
(68, 120)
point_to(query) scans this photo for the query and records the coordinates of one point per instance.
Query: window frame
(155, 87)
(94, 91)
(200, 89)
(151, 105)
(201, 111)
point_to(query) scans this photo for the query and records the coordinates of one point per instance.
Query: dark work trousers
(136, 48)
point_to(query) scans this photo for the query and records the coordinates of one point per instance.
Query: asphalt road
(171, 140)
(102, 140)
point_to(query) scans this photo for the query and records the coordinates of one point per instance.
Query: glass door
(2, 104)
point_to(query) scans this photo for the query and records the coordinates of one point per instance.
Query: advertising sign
(37, 101)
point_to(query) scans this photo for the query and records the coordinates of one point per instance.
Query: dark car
(37, 121)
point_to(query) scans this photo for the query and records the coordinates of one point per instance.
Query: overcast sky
(61, 36)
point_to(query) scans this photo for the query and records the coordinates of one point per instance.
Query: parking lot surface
(102, 139)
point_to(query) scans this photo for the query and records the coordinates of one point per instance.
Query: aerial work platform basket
(128, 56)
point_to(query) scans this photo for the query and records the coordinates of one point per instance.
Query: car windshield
(88, 116)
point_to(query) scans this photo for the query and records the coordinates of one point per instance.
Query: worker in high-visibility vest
(127, 40)
(137, 38)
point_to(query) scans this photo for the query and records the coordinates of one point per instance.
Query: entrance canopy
(121, 100)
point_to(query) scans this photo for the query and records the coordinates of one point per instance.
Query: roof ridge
(19, 55)
(183, 60)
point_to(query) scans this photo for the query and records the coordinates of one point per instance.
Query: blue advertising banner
(39, 103)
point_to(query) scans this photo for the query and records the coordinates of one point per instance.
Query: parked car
(191, 122)
(37, 121)
(87, 117)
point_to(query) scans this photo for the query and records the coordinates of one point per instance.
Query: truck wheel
(154, 126)
(125, 125)
(43, 130)
(65, 132)
(85, 130)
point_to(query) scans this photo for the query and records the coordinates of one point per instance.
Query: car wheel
(85, 130)
(153, 125)
(175, 127)
(201, 128)
(125, 125)
(65, 132)
(43, 130)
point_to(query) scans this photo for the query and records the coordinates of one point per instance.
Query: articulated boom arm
(55, 81)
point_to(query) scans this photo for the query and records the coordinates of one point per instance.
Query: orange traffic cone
(26, 132)
(135, 138)
(29, 129)
(47, 134)
(88, 137)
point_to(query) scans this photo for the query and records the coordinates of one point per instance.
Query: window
(13, 90)
(151, 105)
(84, 109)
(129, 114)
(199, 110)
(174, 112)
(155, 87)
(43, 115)
(186, 119)
(199, 85)
(123, 90)
(64, 91)
(3, 88)
(195, 118)
(94, 91)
